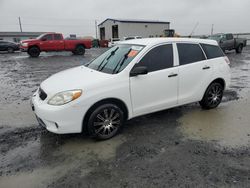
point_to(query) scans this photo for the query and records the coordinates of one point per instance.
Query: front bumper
(23, 49)
(63, 119)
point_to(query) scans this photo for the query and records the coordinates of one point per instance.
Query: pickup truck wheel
(79, 50)
(105, 121)
(34, 51)
(212, 97)
(239, 49)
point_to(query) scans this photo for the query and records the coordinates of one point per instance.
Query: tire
(212, 97)
(79, 50)
(105, 121)
(34, 51)
(10, 50)
(239, 49)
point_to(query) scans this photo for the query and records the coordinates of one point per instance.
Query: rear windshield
(212, 51)
(115, 59)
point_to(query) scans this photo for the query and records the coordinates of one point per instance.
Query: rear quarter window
(212, 51)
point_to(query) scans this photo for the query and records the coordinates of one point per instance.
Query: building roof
(135, 21)
(155, 41)
(20, 34)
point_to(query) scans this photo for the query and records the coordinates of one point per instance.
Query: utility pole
(212, 29)
(96, 29)
(20, 24)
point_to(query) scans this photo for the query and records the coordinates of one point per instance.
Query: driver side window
(158, 58)
(47, 37)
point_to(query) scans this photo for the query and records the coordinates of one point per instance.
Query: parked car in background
(8, 46)
(113, 42)
(129, 80)
(49, 42)
(228, 42)
(132, 37)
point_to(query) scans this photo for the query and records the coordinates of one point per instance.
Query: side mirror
(43, 39)
(138, 71)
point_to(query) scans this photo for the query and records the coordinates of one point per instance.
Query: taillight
(227, 60)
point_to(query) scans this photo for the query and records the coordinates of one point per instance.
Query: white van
(134, 78)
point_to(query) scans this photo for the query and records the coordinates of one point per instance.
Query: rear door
(58, 42)
(156, 90)
(194, 72)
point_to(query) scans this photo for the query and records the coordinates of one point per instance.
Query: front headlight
(64, 97)
(24, 44)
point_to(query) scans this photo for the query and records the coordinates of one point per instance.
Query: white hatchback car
(134, 78)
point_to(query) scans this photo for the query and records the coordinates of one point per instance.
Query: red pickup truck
(48, 42)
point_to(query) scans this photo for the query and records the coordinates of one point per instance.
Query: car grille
(42, 94)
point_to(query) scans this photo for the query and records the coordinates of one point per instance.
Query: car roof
(155, 41)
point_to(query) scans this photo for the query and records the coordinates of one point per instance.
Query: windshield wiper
(106, 59)
(121, 62)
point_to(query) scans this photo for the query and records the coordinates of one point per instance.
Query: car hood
(29, 40)
(74, 78)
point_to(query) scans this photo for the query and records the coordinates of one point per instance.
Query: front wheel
(34, 51)
(10, 50)
(212, 97)
(105, 121)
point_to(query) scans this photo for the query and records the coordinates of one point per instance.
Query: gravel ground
(180, 147)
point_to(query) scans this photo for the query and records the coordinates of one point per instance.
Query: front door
(156, 90)
(46, 43)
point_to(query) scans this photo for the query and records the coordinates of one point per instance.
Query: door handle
(172, 75)
(206, 67)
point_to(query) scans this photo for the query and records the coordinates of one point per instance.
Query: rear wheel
(34, 51)
(105, 121)
(212, 97)
(79, 50)
(239, 49)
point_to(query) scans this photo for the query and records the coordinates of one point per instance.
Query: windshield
(41, 36)
(115, 59)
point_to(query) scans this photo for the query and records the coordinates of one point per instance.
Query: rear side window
(57, 37)
(158, 58)
(189, 53)
(212, 51)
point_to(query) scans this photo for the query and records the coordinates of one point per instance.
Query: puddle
(79, 155)
(228, 125)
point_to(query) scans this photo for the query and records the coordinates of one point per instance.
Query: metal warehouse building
(120, 28)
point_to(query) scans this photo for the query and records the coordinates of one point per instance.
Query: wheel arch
(80, 44)
(217, 80)
(115, 101)
(34, 45)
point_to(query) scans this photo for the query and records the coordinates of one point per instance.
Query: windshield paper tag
(132, 53)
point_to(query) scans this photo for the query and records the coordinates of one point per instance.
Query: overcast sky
(78, 16)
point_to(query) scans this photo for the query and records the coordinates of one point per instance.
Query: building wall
(14, 39)
(133, 29)
(142, 29)
(108, 28)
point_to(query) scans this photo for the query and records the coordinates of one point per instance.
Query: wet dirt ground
(180, 147)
